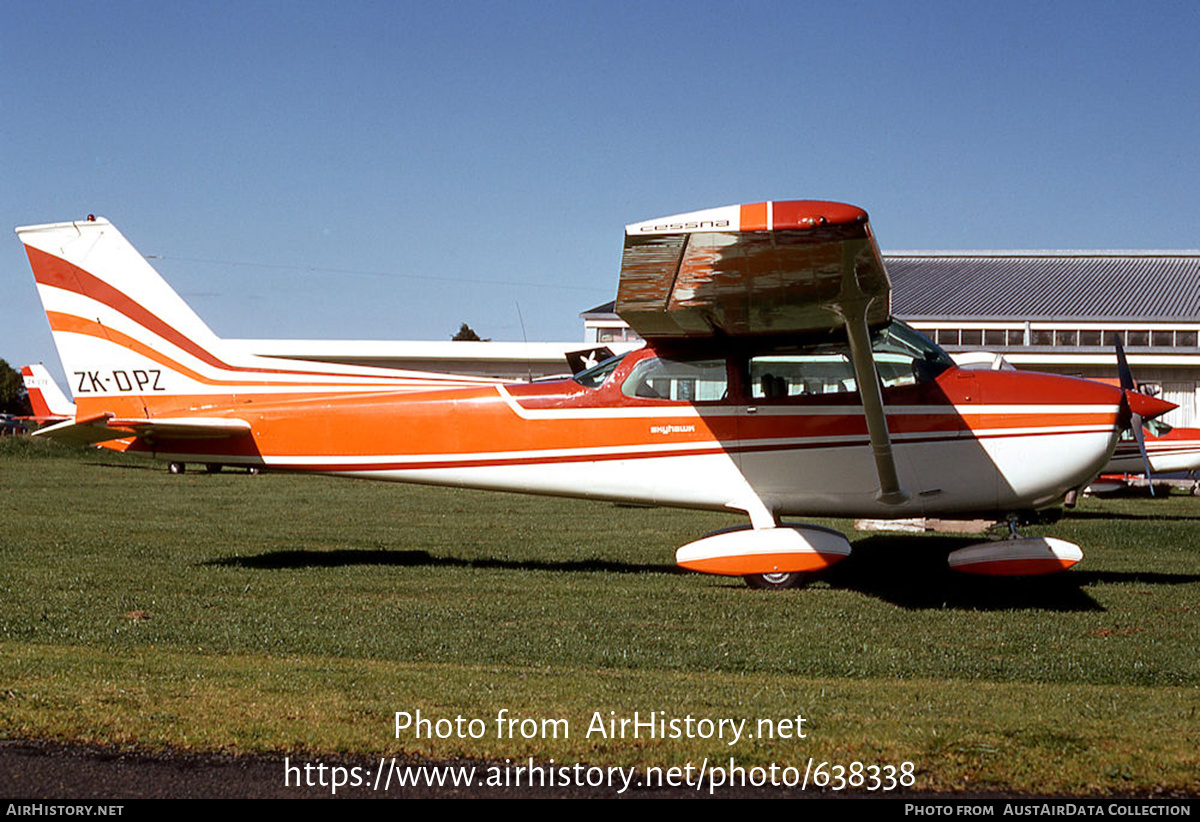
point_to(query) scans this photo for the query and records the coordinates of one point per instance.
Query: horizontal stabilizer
(104, 427)
(86, 431)
(182, 427)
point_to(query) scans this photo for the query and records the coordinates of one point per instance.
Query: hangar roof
(1046, 285)
(1040, 285)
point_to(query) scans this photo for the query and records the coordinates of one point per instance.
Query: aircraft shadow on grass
(274, 560)
(911, 572)
(908, 571)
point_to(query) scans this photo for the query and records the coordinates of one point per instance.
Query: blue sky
(390, 170)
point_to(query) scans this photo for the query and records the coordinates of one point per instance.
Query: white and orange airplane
(774, 382)
(47, 399)
(1169, 449)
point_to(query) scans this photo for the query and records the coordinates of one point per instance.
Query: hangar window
(1162, 339)
(1185, 339)
(993, 336)
(660, 378)
(947, 336)
(1135, 339)
(1090, 338)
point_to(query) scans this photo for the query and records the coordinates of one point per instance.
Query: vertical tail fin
(48, 401)
(120, 330)
(131, 347)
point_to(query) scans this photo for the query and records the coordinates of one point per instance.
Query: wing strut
(852, 305)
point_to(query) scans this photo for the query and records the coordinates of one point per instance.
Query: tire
(176, 467)
(777, 582)
(213, 467)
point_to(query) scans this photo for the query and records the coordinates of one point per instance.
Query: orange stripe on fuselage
(77, 325)
(982, 423)
(477, 426)
(73, 324)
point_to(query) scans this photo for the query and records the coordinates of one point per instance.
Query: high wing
(764, 269)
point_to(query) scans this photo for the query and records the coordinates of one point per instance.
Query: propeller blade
(1136, 423)
(1135, 420)
(1127, 381)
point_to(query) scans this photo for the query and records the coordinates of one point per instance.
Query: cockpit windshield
(1158, 428)
(916, 352)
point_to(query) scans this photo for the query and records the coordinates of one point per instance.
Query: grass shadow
(911, 572)
(275, 560)
(907, 571)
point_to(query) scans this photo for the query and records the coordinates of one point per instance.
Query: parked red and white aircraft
(774, 382)
(1169, 449)
(47, 399)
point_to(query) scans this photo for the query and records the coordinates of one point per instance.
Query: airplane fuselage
(967, 441)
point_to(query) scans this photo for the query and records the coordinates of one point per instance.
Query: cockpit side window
(680, 380)
(902, 357)
(818, 369)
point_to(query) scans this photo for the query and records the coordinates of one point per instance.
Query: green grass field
(249, 614)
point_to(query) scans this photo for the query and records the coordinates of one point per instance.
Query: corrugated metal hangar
(1056, 311)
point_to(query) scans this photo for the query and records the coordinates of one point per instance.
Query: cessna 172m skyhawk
(773, 382)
